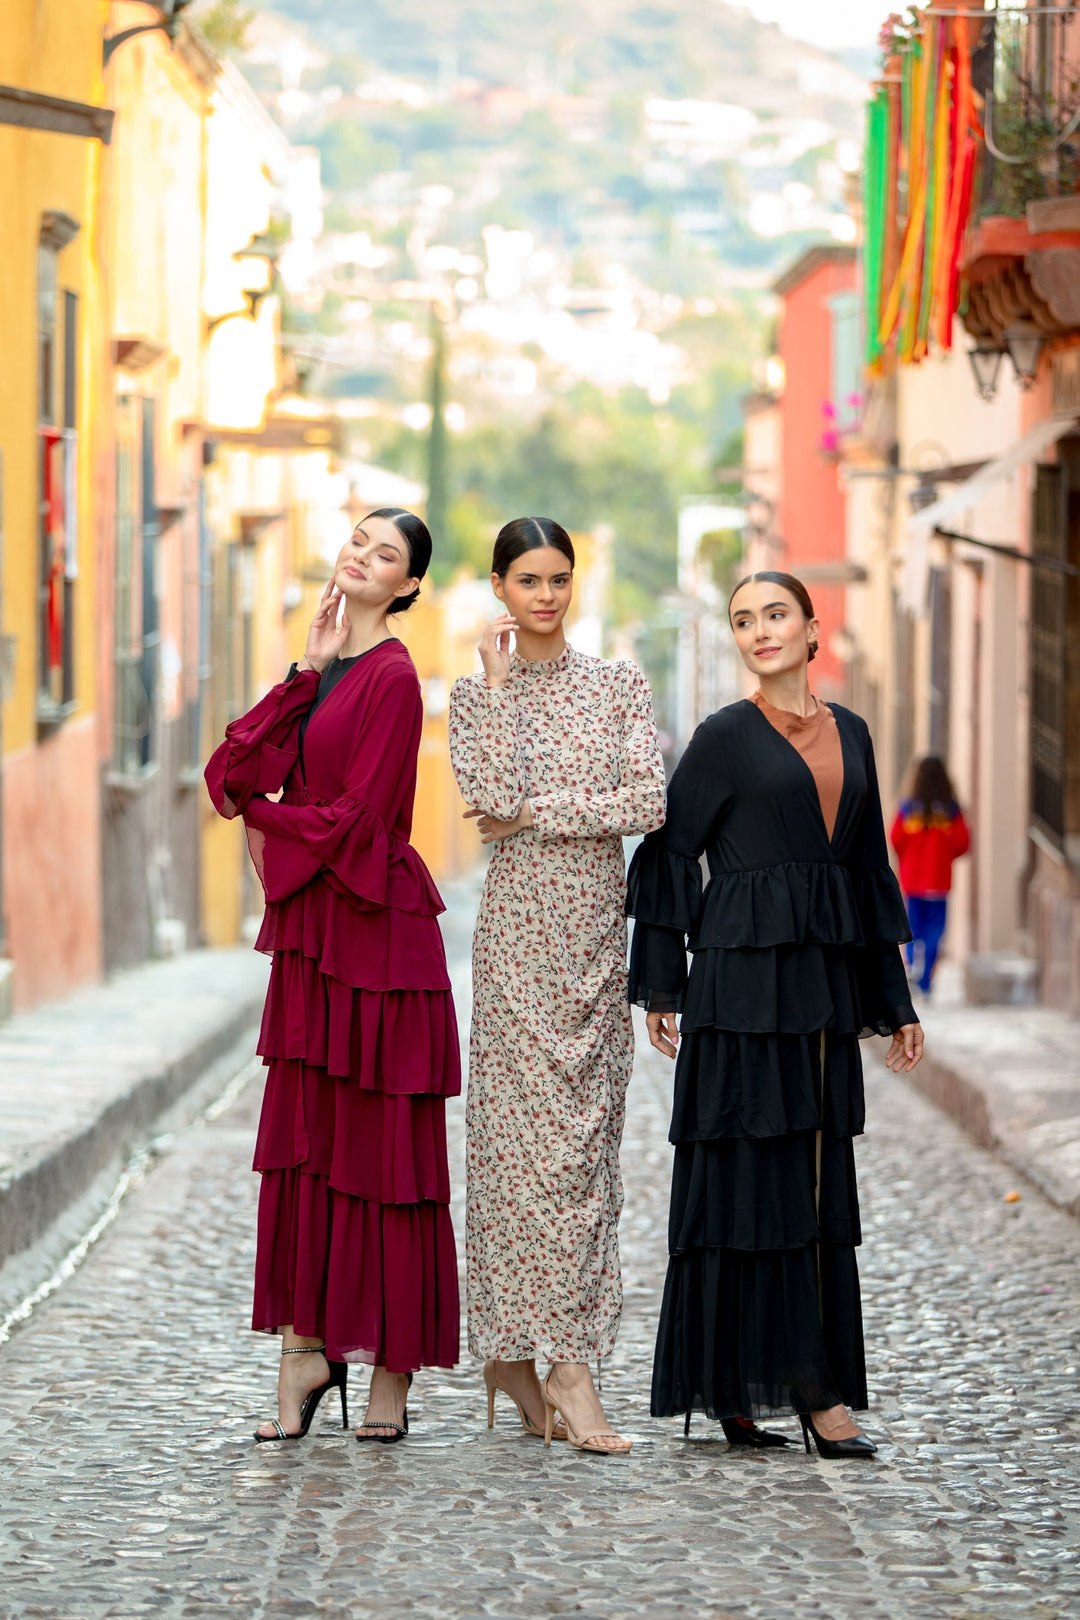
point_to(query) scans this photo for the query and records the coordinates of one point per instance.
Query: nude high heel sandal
(491, 1379)
(580, 1442)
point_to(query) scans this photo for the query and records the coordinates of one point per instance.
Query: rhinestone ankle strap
(303, 1349)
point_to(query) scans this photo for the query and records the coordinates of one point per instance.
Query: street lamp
(985, 359)
(169, 25)
(924, 493)
(264, 250)
(252, 296)
(1024, 342)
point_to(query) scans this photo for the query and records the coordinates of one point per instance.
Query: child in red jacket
(928, 834)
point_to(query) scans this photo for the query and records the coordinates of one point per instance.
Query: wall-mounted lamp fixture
(253, 297)
(924, 493)
(266, 250)
(985, 360)
(169, 25)
(1024, 342)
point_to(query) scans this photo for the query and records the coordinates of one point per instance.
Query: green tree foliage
(351, 156)
(224, 25)
(438, 492)
(587, 459)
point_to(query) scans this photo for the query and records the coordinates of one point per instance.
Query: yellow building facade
(160, 503)
(271, 495)
(54, 131)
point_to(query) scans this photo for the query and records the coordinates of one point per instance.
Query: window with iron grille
(136, 643)
(1055, 655)
(58, 535)
(904, 677)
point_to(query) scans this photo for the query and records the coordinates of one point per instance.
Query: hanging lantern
(1024, 342)
(985, 360)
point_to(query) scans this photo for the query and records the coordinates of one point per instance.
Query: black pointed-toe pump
(736, 1435)
(339, 1372)
(857, 1445)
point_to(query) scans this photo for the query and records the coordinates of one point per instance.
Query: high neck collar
(532, 669)
(788, 717)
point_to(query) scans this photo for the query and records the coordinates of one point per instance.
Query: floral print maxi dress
(551, 1043)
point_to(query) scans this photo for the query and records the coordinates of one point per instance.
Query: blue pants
(927, 920)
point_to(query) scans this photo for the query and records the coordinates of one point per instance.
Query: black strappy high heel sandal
(339, 1372)
(400, 1429)
(736, 1435)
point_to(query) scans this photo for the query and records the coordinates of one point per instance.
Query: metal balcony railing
(1026, 68)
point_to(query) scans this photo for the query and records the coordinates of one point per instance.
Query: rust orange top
(818, 741)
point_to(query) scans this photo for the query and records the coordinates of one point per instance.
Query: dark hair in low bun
(414, 531)
(528, 534)
(787, 582)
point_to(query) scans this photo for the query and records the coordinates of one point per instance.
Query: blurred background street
(776, 285)
(715, 293)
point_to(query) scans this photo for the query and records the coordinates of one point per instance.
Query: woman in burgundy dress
(356, 1258)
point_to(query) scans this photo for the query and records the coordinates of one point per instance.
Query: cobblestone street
(131, 1485)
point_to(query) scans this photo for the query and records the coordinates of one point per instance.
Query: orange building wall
(52, 871)
(811, 516)
(51, 853)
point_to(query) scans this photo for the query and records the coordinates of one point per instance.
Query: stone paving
(131, 1486)
(1010, 1076)
(86, 1080)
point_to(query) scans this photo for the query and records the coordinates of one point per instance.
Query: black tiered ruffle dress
(795, 955)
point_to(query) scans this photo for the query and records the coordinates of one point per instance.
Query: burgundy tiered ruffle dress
(359, 1038)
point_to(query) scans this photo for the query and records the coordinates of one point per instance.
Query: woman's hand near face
(325, 640)
(663, 1032)
(492, 831)
(906, 1049)
(495, 652)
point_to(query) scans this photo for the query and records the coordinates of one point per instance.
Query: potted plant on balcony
(894, 37)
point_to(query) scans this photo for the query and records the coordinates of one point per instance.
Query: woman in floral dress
(556, 754)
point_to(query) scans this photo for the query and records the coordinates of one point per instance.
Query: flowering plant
(897, 32)
(838, 422)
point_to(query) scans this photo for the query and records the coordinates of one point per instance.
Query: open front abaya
(355, 1243)
(795, 955)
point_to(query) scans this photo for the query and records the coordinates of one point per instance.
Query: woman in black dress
(795, 955)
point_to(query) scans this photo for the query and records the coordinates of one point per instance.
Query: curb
(32, 1201)
(960, 1098)
(1029, 1130)
(190, 1021)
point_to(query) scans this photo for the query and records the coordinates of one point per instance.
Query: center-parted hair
(528, 534)
(414, 532)
(788, 582)
(933, 786)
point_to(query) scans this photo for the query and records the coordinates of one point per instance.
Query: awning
(834, 571)
(992, 472)
(939, 515)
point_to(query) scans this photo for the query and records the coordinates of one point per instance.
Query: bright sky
(831, 23)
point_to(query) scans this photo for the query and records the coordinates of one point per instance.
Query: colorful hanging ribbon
(921, 147)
